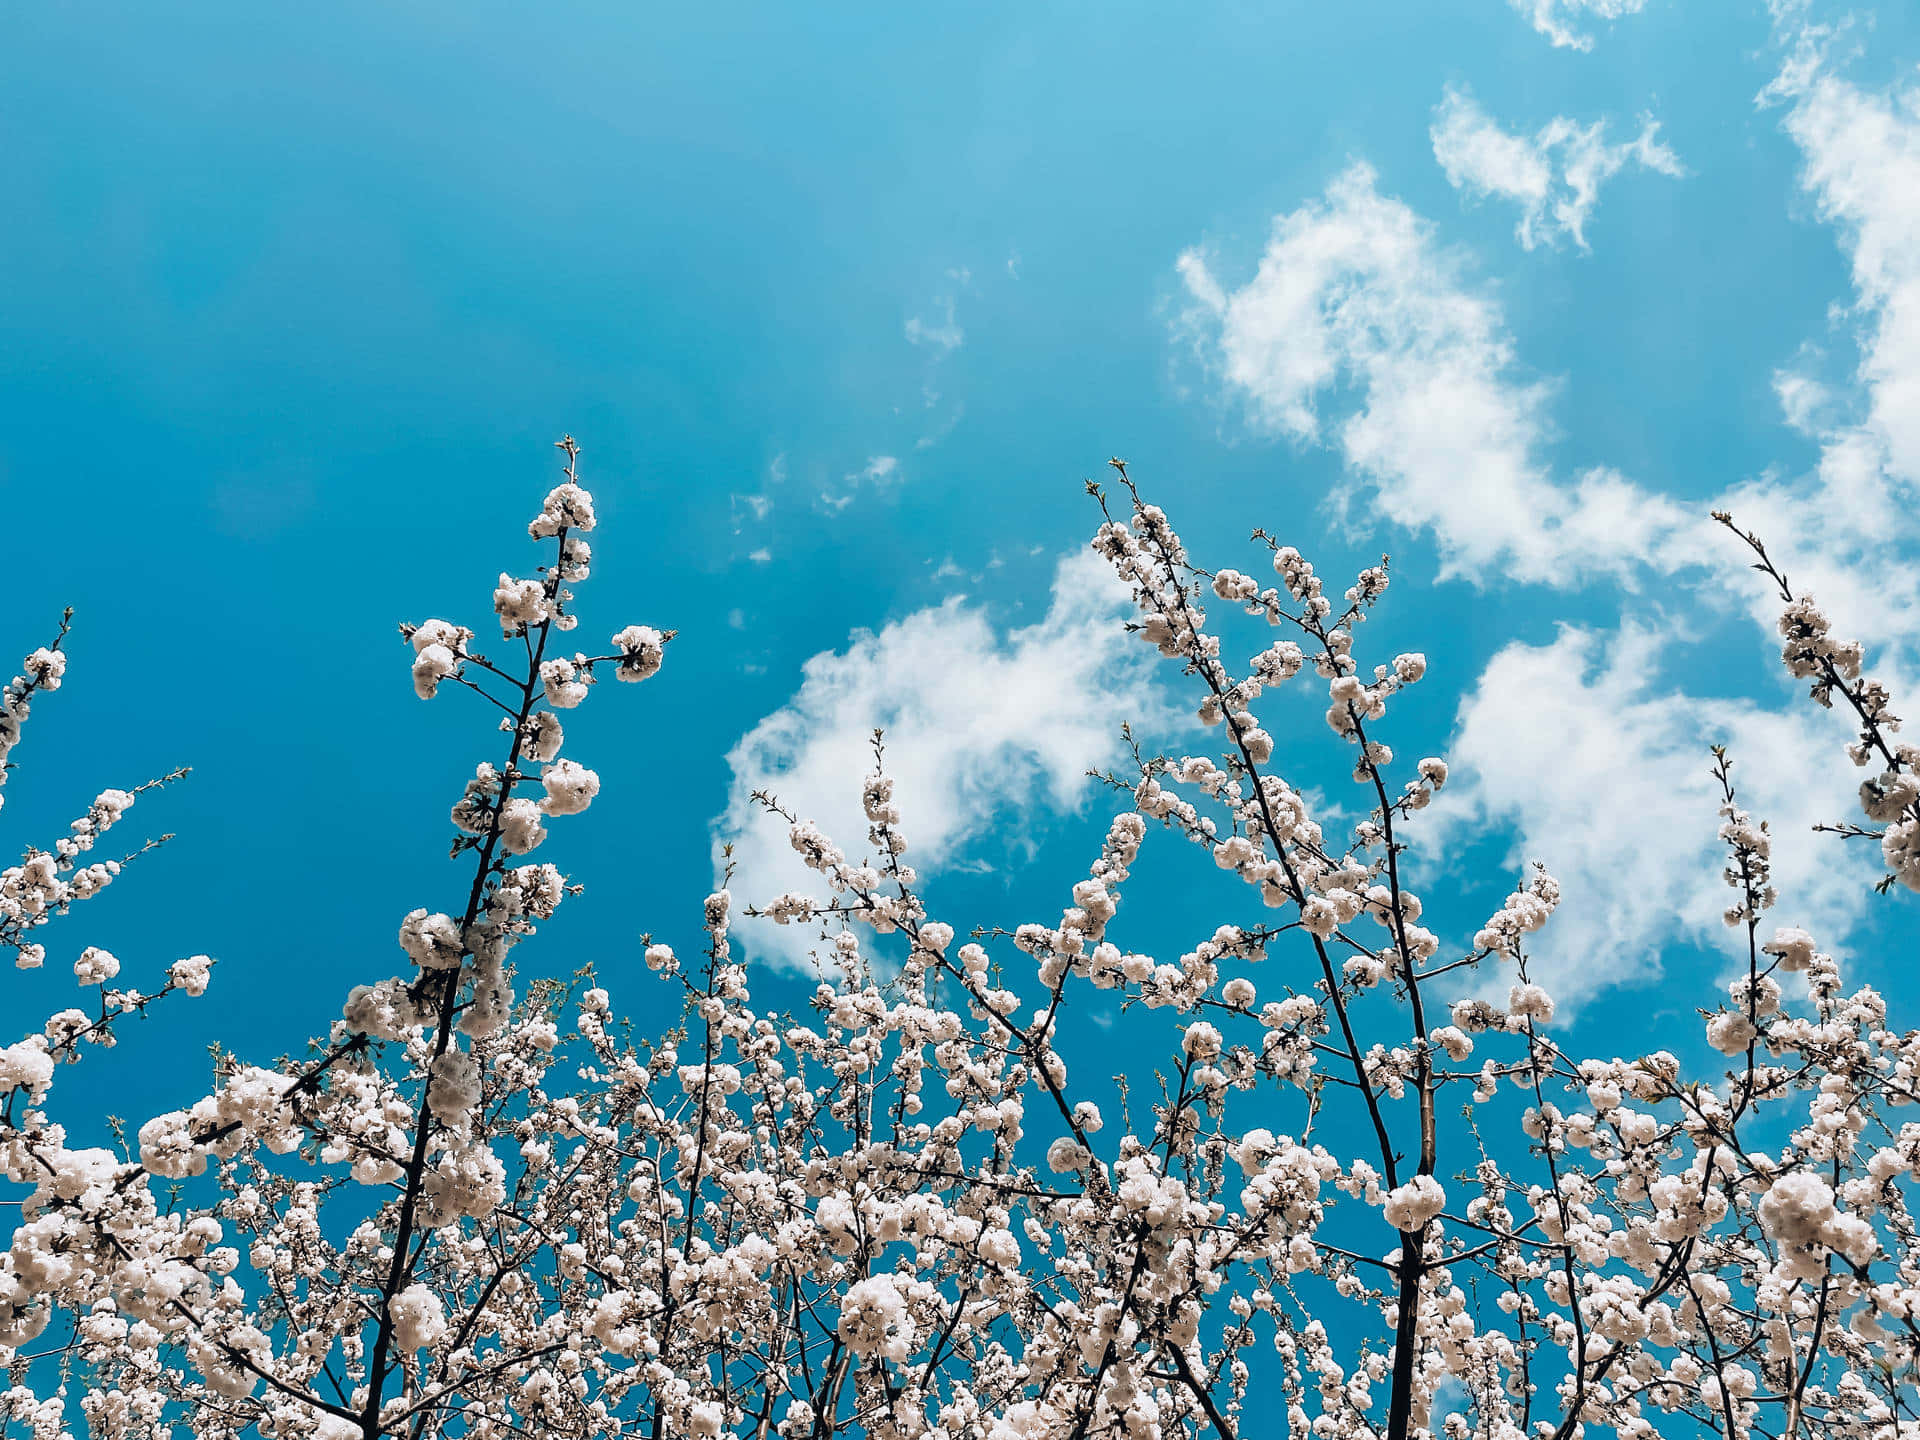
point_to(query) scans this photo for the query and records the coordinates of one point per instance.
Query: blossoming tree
(486, 1207)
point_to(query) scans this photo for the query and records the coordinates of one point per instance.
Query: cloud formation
(1583, 746)
(943, 335)
(1354, 297)
(1359, 331)
(978, 726)
(1847, 530)
(879, 472)
(1554, 176)
(1556, 19)
(1602, 773)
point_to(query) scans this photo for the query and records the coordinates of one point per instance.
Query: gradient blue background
(293, 304)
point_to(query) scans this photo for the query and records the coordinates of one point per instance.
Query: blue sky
(842, 304)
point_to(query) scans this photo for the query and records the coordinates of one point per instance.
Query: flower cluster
(487, 1205)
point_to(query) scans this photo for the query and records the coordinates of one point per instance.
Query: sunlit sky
(843, 305)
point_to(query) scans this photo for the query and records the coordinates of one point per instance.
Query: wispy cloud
(748, 515)
(749, 507)
(978, 725)
(749, 511)
(878, 473)
(1554, 175)
(942, 428)
(939, 335)
(1556, 19)
(1848, 530)
(942, 334)
(1354, 298)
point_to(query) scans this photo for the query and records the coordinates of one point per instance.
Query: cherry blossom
(1363, 1196)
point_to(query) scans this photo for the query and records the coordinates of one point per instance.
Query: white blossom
(522, 1192)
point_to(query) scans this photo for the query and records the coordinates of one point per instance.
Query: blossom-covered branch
(487, 1206)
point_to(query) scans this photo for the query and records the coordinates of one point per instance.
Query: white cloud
(943, 335)
(1593, 758)
(880, 471)
(1586, 747)
(1554, 176)
(939, 336)
(1354, 292)
(1805, 401)
(1556, 19)
(976, 724)
(1847, 532)
(1604, 776)
(750, 511)
(753, 510)
(1862, 153)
